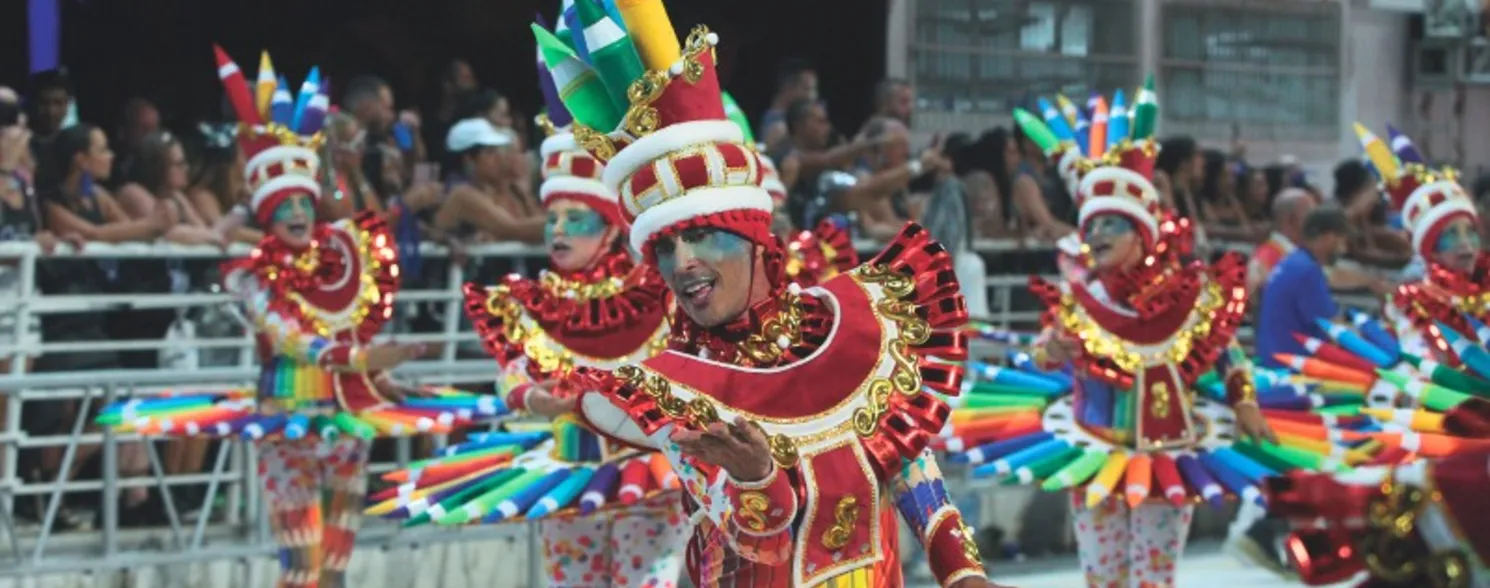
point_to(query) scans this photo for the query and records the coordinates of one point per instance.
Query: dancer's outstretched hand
(386, 356)
(1252, 424)
(740, 448)
(540, 400)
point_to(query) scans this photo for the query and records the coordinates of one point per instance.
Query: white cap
(476, 132)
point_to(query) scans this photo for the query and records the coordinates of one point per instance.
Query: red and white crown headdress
(1427, 199)
(652, 111)
(279, 136)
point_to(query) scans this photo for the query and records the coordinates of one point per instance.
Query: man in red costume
(797, 419)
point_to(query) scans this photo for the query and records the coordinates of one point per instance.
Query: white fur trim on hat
(773, 185)
(699, 202)
(1127, 205)
(280, 154)
(1457, 202)
(558, 143)
(574, 185)
(667, 140)
(285, 182)
(1066, 167)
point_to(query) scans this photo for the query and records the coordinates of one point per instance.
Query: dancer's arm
(755, 517)
(287, 335)
(922, 500)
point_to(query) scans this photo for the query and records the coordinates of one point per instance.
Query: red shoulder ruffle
(608, 311)
(819, 254)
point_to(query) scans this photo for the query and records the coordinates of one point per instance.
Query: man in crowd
(806, 156)
(51, 96)
(796, 81)
(1298, 290)
(1290, 209)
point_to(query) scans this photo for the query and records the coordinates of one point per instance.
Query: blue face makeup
(1108, 225)
(710, 246)
(575, 223)
(286, 211)
(1457, 237)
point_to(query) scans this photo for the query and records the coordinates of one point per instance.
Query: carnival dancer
(595, 307)
(796, 418)
(1153, 416)
(317, 294)
(1440, 218)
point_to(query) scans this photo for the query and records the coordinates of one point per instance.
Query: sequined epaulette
(816, 255)
(612, 310)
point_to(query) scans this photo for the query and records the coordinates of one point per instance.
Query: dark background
(161, 49)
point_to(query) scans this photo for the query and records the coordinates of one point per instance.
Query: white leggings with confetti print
(638, 547)
(1130, 548)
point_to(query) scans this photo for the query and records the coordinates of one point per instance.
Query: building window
(1275, 66)
(989, 56)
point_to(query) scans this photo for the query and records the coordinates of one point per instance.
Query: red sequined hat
(1428, 199)
(676, 160)
(1121, 183)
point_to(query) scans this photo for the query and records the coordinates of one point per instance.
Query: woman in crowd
(345, 145)
(73, 201)
(1221, 209)
(482, 198)
(217, 181)
(161, 176)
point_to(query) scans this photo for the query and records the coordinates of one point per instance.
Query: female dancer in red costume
(317, 293)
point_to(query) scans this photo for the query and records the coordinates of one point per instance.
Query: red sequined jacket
(315, 310)
(836, 376)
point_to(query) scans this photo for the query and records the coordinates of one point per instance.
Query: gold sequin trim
(1100, 343)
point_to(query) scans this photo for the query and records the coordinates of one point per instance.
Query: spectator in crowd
(160, 177)
(1179, 172)
(51, 96)
(141, 119)
(484, 103)
(391, 136)
(946, 218)
(1374, 242)
(345, 143)
(1290, 209)
(894, 98)
(1257, 202)
(1298, 291)
(882, 198)
(1481, 193)
(217, 183)
(796, 81)
(74, 202)
(457, 80)
(986, 168)
(481, 197)
(1220, 207)
(20, 220)
(1041, 200)
(807, 155)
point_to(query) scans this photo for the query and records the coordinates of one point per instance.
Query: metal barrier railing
(240, 531)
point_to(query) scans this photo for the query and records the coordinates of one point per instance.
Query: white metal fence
(233, 528)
